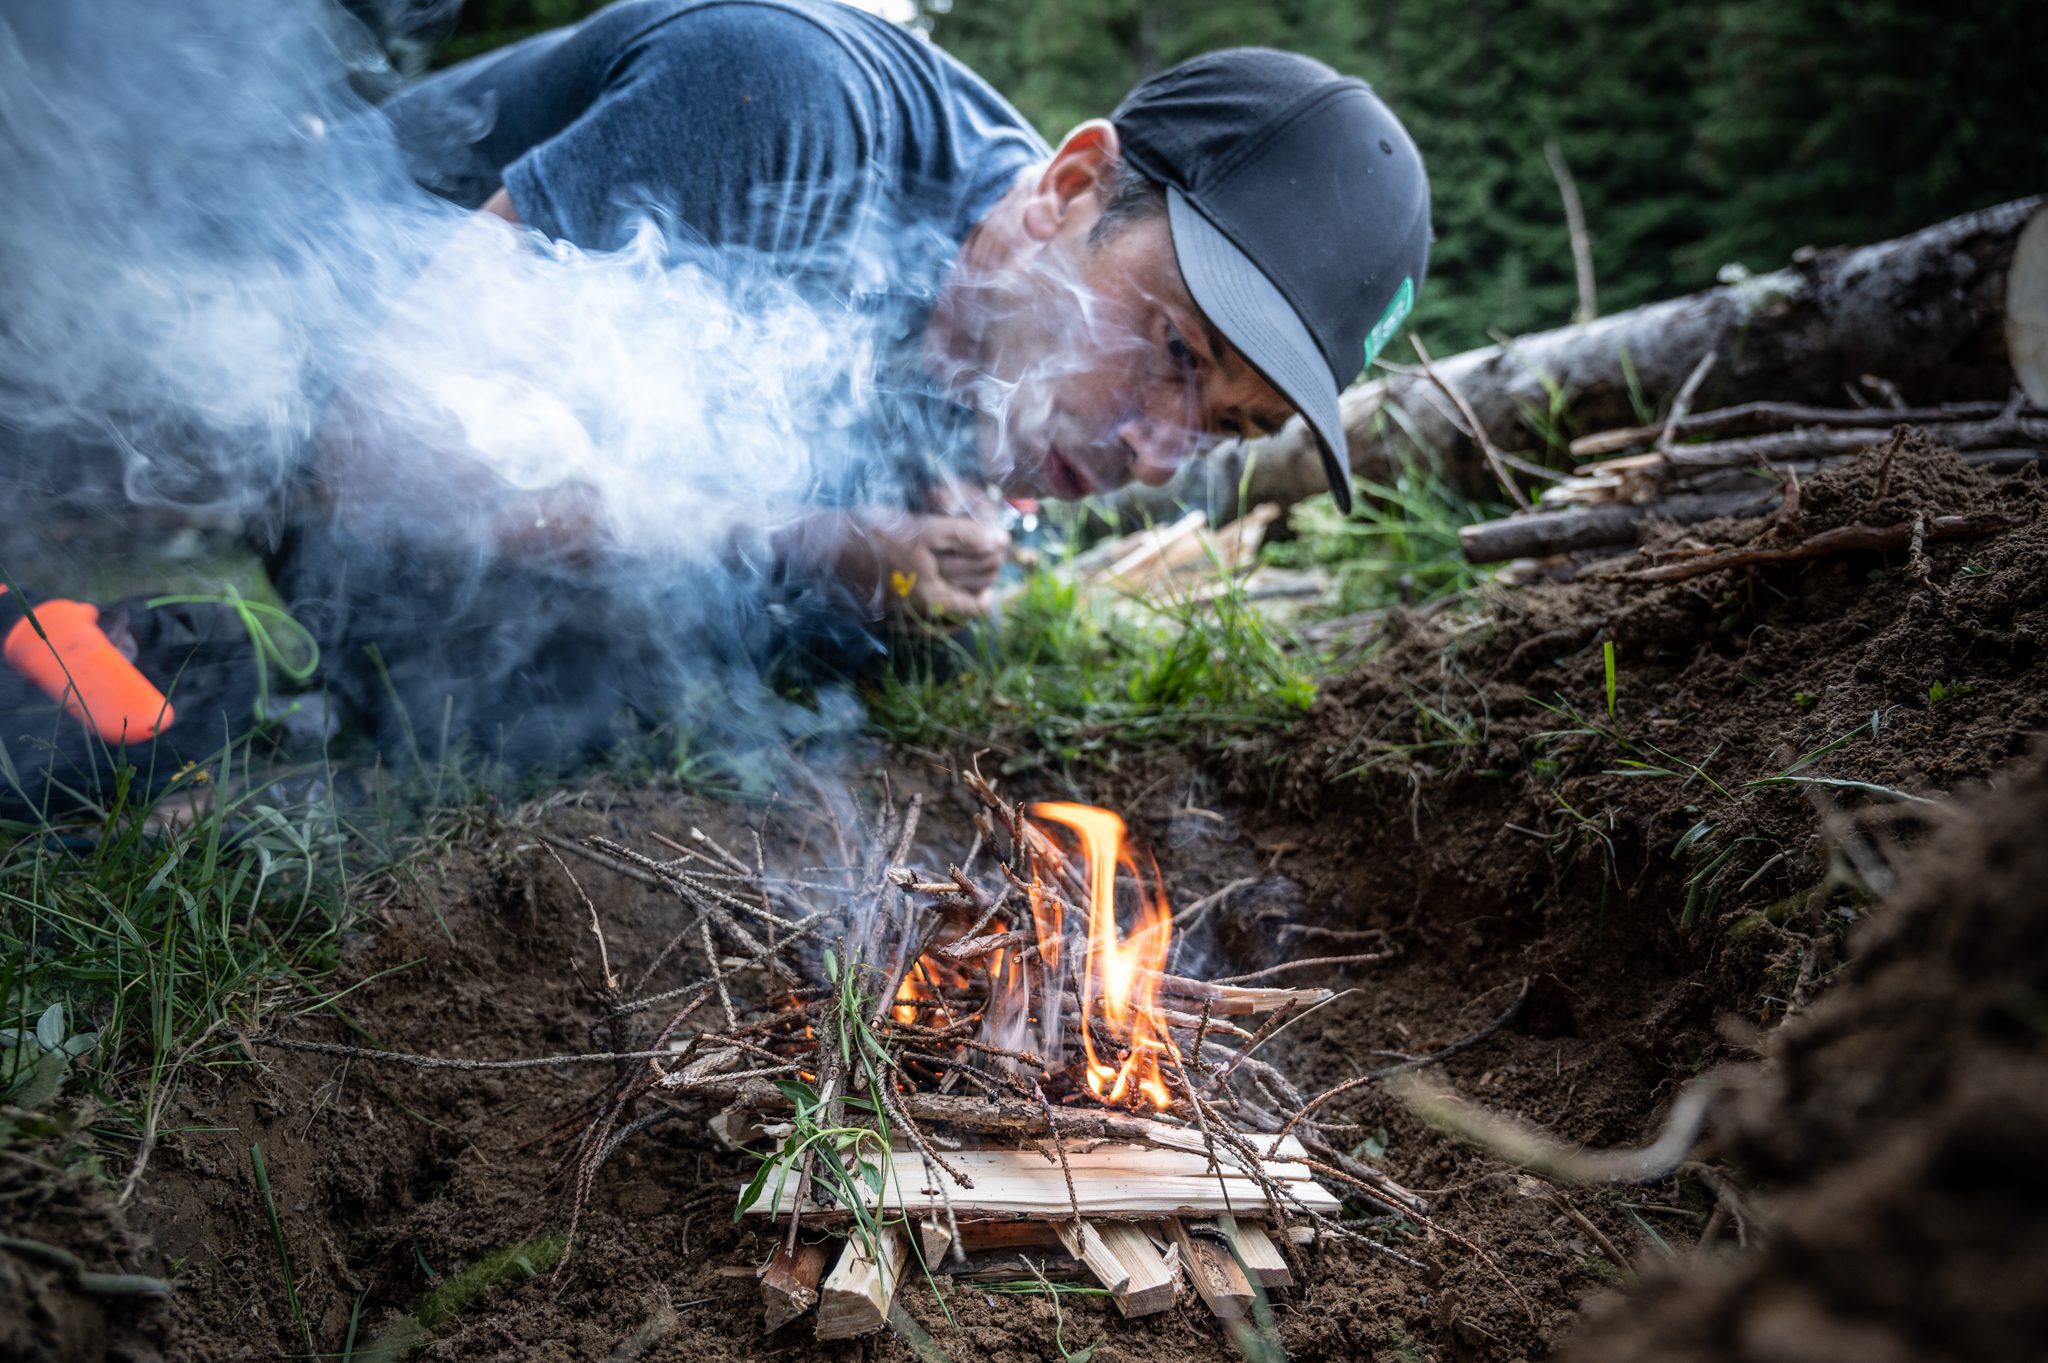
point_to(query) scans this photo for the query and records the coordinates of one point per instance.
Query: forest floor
(1785, 843)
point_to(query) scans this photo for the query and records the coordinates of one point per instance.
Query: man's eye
(1177, 350)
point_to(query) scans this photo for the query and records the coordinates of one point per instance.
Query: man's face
(1099, 369)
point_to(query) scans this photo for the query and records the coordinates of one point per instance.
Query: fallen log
(1925, 311)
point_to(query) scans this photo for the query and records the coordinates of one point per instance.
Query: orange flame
(918, 993)
(1122, 971)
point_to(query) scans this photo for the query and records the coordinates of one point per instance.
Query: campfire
(986, 1071)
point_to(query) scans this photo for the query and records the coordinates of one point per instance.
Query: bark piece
(1217, 1278)
(789, 1285)
(855, 1298)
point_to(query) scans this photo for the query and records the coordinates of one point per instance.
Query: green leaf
(50, 1027)
(1691, 836)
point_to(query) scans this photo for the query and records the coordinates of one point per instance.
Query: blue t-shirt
(806, 131)
(806, 137)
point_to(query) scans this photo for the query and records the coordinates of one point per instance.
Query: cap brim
(1255, 317)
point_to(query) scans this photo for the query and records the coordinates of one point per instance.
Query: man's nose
(1161, 448)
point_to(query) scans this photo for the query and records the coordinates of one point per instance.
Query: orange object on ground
(78, 665)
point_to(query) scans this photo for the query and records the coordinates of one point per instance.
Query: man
(1228, 249)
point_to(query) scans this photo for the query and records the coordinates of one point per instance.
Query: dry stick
(800, 930)
(1474, 426)
(1596, 1235)
(1575, 229)
(1842, 539)
(1782, 414)
(1201, 1031)
(1436, 1057)
(1362, 958)
(1187, 918)
(713, 900)
(1271, 1024)
(604, 959)
(1052, 1129)
(732, 1018)
(1682, 404)
(917, 1137)
(439, 1062)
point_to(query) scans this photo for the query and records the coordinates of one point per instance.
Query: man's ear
(1074, 179)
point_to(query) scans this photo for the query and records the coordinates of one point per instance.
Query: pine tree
(1845, 121)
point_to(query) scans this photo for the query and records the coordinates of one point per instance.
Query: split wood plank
(1108, 1181)
(1217, 1278)
(855, 1298)
(1123, 1259)
(789, 1284)
(1263, 1262)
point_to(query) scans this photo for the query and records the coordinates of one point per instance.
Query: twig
(1473, 425)
(1186, 920)
(1059, 1148)
(1596, 1235)
(1436, 1057)
(1682, 404)
(1272, 1024)
(1361, 958)
(1842, 539)
(441, 1062)
(1575, 228)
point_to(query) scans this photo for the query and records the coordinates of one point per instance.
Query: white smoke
(208, 238)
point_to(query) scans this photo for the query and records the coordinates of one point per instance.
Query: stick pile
(1734, 461)
(867, 1033)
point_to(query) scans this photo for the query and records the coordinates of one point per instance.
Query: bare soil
(1467, 793)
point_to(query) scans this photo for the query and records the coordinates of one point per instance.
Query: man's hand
(903, 564)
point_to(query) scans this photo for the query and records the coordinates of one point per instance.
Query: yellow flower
(902, 582)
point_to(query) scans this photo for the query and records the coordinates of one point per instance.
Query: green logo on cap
(1390, 320)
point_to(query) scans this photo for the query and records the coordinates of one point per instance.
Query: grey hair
(1130, 198)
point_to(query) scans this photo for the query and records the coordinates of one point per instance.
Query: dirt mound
(1903, 1120)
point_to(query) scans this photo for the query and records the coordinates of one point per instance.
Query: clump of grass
(1076, 673)
(1399, 547)
(165, 921)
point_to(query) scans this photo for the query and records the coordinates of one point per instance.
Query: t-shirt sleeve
(734, 124)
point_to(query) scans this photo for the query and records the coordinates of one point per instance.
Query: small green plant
(1607, 666)
(1074, 674)
(34, 1060)
(1805, 700)
(1943, 692)
(1399, 547)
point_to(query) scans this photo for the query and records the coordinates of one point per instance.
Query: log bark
(1925, 312)
(789, 1285)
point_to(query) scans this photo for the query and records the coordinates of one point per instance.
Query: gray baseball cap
(1299, 210)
